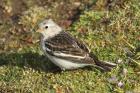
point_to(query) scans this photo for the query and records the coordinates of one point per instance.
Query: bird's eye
(46, 27)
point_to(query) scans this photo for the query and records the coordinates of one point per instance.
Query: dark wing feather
(67, 47)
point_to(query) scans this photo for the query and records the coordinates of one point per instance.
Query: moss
(33, 16)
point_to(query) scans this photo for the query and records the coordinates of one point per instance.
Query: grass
(111, 33)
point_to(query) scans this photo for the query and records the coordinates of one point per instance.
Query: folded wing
(67, 47)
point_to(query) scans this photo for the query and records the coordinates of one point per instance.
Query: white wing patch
(68, 55)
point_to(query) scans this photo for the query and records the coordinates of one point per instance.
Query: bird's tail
(105, 66)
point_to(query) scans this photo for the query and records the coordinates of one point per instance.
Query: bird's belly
(65, 64)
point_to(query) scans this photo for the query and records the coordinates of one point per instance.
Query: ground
(110, 28)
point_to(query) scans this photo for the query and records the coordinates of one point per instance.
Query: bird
(66, 51)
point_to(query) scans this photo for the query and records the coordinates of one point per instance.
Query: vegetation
(109, 27)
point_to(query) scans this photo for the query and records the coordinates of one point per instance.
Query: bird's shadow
(31, 60)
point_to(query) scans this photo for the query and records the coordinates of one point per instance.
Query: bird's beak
(39, 30)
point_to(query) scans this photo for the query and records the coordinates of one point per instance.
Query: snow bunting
(66, 51)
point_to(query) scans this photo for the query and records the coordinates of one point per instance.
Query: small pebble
(113, 79)
(119, 61)
(77, 3)
(120, 84)
(125, 71)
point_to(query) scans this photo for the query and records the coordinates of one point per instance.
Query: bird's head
(48, 28)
